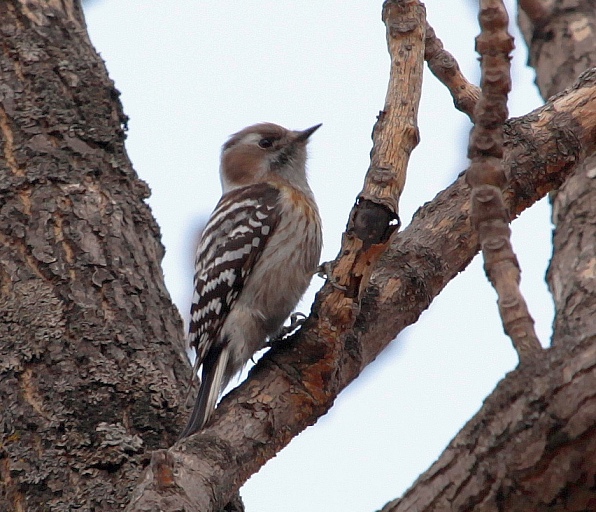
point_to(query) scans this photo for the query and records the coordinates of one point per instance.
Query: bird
(256, 256)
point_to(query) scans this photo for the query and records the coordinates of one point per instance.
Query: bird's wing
(231, 244)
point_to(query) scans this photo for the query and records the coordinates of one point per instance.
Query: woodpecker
(256, 256)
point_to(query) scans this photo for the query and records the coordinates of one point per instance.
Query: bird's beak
(304, 135)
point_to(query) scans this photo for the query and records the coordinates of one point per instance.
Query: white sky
(191, 73)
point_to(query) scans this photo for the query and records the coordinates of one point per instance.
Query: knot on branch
(491, 173)
(488, 206)
(373, 223)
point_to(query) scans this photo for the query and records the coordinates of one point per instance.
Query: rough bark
(532, 446)
(561, 46)
(90, 344)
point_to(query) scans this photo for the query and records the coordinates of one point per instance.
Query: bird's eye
(266, 142)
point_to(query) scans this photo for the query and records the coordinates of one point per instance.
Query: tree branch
(444, 66)
(537, 454)
(537, 10)
(296, 383)
(486, 177)
(374, 217)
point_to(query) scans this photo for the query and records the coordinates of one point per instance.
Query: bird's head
(265, 152)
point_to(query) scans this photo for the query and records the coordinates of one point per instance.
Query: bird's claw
(296, 321)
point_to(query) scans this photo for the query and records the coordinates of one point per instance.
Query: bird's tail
(214, 367)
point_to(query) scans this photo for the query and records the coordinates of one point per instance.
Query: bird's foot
(296, 321)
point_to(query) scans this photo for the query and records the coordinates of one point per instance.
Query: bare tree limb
(444, 66)
(374, 217)
(296, 383)
(486, 177)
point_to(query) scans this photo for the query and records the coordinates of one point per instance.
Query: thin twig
(486, 177)
(444, 66)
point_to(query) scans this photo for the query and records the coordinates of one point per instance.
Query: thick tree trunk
(562, 46)
(91, 349)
